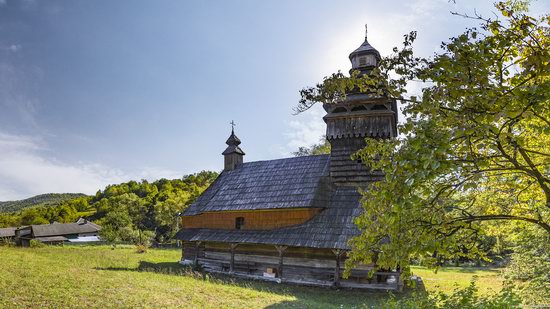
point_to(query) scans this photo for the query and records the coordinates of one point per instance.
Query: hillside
(124, 210)
(48, 200)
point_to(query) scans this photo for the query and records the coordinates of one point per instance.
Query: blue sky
(99, 92)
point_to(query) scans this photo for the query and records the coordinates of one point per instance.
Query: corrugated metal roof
(85, 239)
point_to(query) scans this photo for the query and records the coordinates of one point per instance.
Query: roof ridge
(288, 158)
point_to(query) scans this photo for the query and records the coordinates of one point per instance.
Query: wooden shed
(56, 233)
(290, 220)
(7, 234)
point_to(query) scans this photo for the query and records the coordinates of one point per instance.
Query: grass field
(449, 278)
(98, 277)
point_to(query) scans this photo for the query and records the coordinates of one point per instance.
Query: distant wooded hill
(131, 211)
(47, 200)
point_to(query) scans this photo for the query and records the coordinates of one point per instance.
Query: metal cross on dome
(232, 123)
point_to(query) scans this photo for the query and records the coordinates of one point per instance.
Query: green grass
(449, 278)
(98, 277)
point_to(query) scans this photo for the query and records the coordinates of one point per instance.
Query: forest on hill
(129, 211)
(46, 200)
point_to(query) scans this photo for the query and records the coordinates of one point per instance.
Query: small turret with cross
(233, 154)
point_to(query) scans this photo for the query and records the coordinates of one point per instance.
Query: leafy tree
(166, 206)
(323, 147)
(132, 211)
(8, 219)
(474, 147)
(150, 207)
(115, 226)
(530, 264)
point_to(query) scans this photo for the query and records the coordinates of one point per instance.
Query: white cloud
(154, 173)
(305, 130)
(14, 47)
(26, 171)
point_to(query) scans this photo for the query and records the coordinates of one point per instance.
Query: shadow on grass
(303, 296)
(469, 270)
(172, 268)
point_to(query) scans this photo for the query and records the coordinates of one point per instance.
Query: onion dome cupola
(365, 57)
(233, 154)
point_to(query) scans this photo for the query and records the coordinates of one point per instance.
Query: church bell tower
(233, 154)
(359, 116)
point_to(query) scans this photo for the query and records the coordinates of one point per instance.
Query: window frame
(239, 223)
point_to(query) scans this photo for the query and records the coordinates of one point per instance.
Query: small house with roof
(290, 219)
(7, 234)
(58, 233)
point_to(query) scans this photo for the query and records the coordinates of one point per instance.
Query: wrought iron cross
(232, 123)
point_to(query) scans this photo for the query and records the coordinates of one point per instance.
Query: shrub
(141, 248)
(6, 242)
(36, 243)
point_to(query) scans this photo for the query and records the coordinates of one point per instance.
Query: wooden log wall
(253, 220)
(316, 266)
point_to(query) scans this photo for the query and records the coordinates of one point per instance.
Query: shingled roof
(332, 228)
(7, 232)
(58, 229)
(298, 182)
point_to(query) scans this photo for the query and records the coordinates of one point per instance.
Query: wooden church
(289, 220)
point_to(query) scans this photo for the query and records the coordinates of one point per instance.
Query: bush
(141, 248)
(36, 243)
(6, 242)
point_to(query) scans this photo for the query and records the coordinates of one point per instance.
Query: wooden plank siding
(344, 170)
(253, 219)
(309, 266)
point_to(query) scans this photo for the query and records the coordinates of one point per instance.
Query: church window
(359, 108)
(371, 60)
(339, 110)
(379, 107)
(362, 61)
(239, 223)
